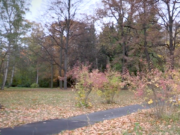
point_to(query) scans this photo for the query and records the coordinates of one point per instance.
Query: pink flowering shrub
(84, 85)
(157, 87)
(110, 86)
(105, 84)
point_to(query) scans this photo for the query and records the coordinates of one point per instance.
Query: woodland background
(135, 36)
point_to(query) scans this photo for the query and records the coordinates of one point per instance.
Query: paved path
(50, 127)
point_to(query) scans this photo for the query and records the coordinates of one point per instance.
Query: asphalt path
(55, 126)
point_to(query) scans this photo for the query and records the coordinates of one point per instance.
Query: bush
(112, 84)
(105, 84)
(34, 85)
(157, 88)
(24, 85)
(45, 82)
(84, 86)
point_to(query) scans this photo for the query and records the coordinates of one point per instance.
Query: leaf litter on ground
(140, 123)
(31, 105)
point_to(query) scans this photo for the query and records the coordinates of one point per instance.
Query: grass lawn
(26, 105)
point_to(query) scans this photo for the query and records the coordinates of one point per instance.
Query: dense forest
(135, 36)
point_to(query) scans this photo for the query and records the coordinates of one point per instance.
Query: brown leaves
(32, 105)
(136, 123)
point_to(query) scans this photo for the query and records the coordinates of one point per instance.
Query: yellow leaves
(160, 56)
(150, 101)
(149, 92)
(99, 92)
(157, 85)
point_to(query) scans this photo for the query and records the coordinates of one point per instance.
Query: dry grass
(26, 105)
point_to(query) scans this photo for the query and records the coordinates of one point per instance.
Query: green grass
(28, 97)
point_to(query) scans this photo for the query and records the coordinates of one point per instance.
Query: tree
(65, 11)
(12, 13)
(57, 31)
(169, 11)
(82, 44)
(147, 29)
(136, 32)
(116, 10)
(41, 49)
(108, 45)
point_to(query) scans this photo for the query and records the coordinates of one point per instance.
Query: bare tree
(64, 11)
(169, 12)
(57, 31)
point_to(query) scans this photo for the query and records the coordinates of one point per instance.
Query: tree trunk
(37, 76)
(60, 58)
(2, 61)
(60, 68)
(6, 71)
(145, 38)
(146, 51)
(123, 59)
(67, 44)
(97, 63)
(65, 70)
(147, 57)
(171, 59)
(52, 74)
(12, 76)
(123, 44)
(171, 45)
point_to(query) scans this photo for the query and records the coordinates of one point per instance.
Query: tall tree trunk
(123, 59)
(52, 74)
(2, 61)
(148, 60)
(12, 76)
(1, 66)
(60, 58)
(65, 70)
(97, 63)
(145, 37)
(171, 59)
(67, 43)
(123, 44)
(6, 71)
(37, 76)
(171, 45)
(60, 68)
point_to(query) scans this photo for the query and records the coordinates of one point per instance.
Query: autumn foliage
(106, 84)
(157, 88)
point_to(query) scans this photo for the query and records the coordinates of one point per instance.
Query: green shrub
(45, 82)
(82, 98)
(84, 87)
(34, 85)
(24, 85)
(110, 87)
